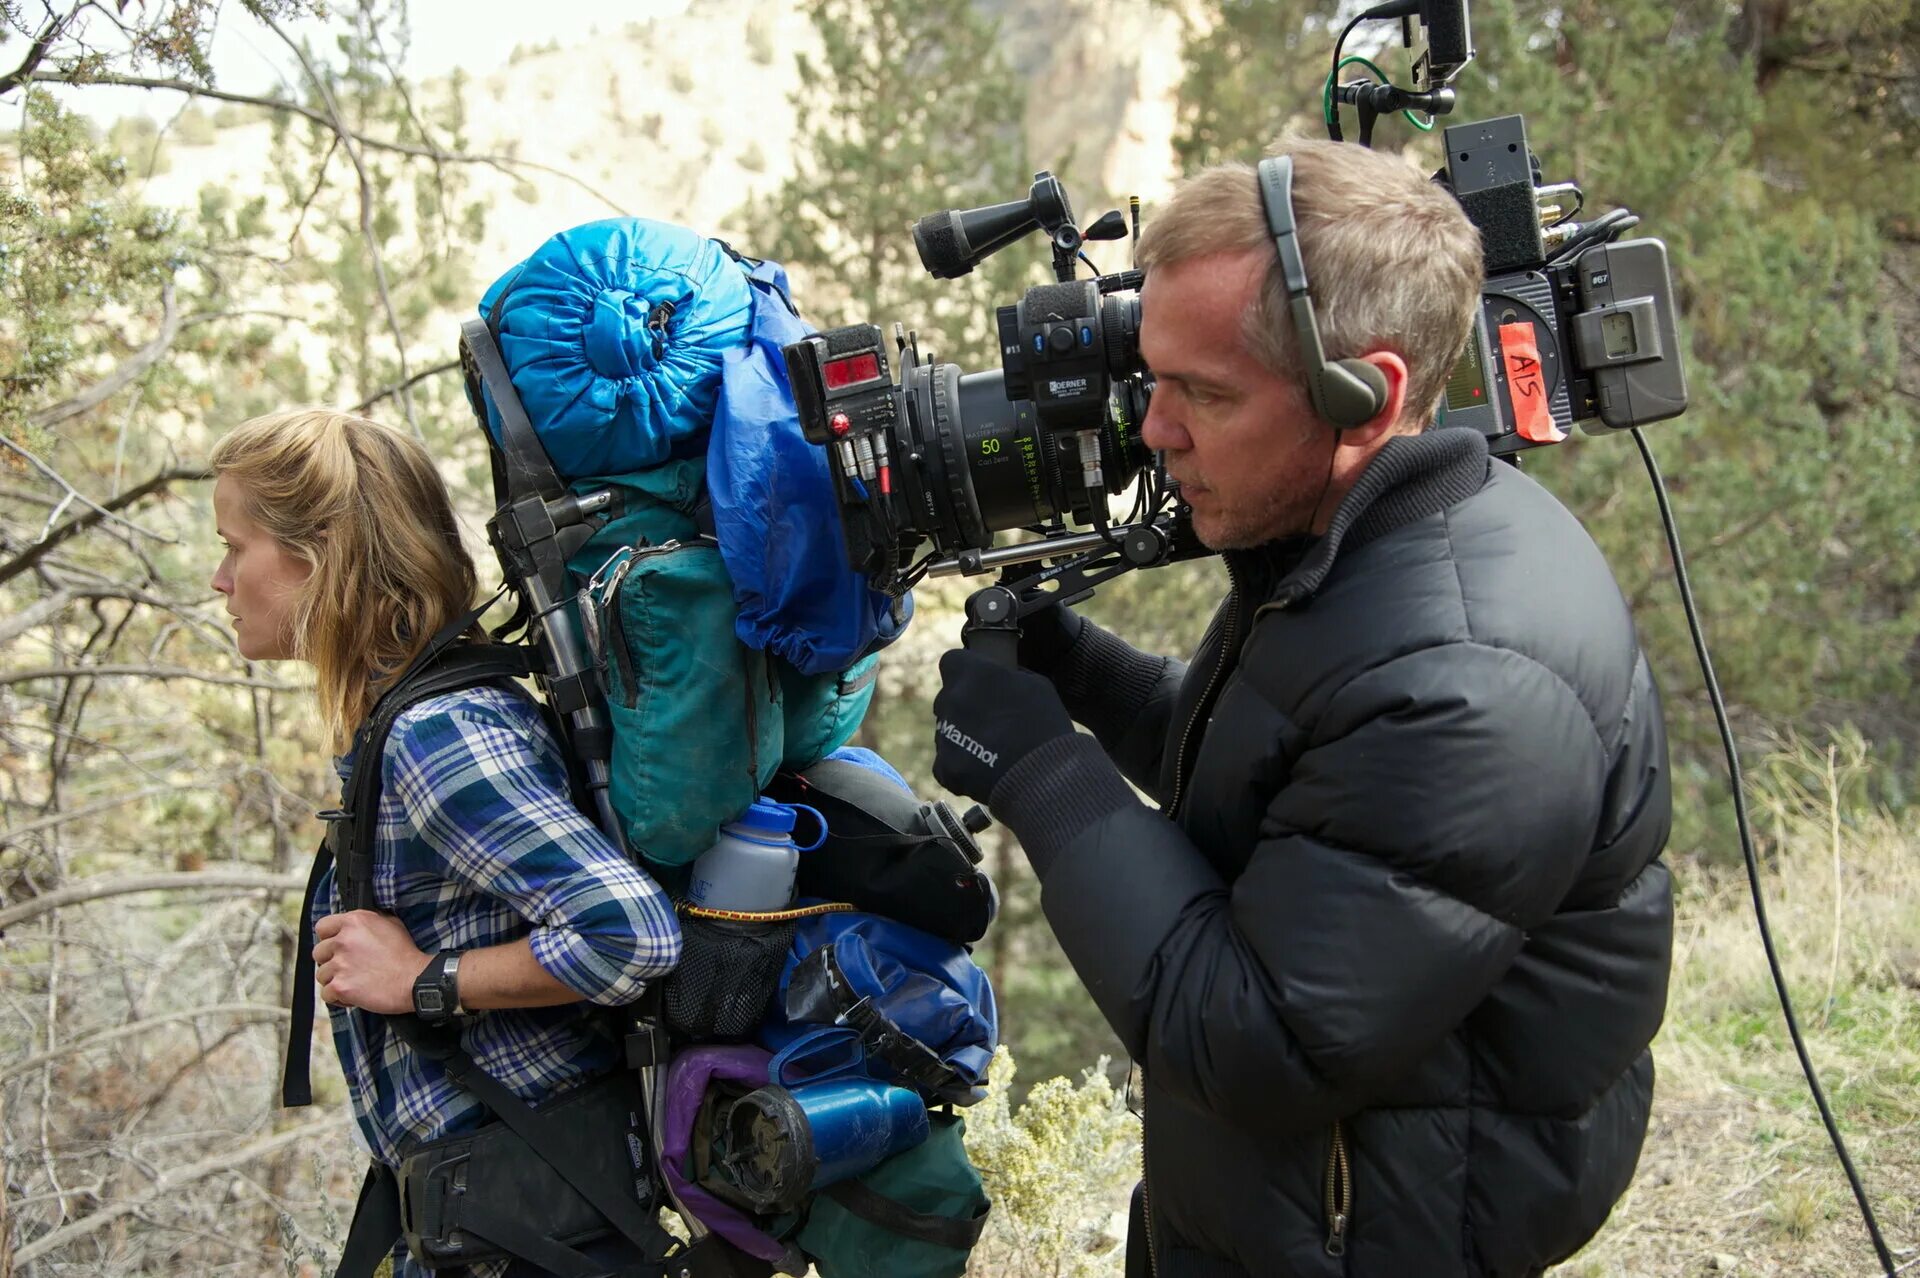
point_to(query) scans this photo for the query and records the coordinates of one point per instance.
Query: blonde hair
(1393, 261)
(363, 506)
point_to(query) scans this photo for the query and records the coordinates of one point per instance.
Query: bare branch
(48, 608)
(319, 183)
(73, 494)
(166, 1184)
(339, 124)
(243, 1011)
(420, 127)
(19, 832)
(505, 163)
(386, 391)
(185, 881)
(79, 523)
(116, 381)
(145, 672)
(38, 50)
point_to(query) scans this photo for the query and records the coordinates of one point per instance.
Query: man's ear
(1393, 370)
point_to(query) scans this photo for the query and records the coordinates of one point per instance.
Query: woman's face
(260, 578)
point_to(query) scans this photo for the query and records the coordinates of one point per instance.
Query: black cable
(1387, 9)
(1752, 858)
(1608, 226)
(1333, 107)
(1579, 202)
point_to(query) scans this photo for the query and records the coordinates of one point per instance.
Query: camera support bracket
(993, 612)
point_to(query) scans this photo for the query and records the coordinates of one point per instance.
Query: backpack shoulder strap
(351, 829)
(348, 845)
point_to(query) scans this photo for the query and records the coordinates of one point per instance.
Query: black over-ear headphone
(1346, 392)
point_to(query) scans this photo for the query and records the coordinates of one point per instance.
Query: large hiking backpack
(704, 591)
(610, 369)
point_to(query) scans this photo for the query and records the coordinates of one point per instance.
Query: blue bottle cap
(767, 817)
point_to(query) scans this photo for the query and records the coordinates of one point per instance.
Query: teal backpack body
(700, 720)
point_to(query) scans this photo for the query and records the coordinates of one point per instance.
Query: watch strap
(450, 975)
(436, 993)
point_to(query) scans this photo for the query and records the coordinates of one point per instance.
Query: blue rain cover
(774, 510)
(607, 393)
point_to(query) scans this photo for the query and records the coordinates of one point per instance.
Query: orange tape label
(1527, 387)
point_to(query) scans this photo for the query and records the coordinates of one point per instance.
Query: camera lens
(1120, 325)
(1005, 450)
(979, 463)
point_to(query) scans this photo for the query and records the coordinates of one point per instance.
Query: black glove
(1046, 636)
(987, 718)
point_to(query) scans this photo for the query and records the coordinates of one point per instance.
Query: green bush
(1058, 1170)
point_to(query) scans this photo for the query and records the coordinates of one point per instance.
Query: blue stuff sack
(614, 333)
(866, 996)
(774, 510)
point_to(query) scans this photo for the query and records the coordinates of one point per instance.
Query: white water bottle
(752, 866)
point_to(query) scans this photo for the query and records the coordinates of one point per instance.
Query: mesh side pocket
(728, 971)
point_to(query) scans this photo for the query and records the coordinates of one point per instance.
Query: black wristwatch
(436, 991)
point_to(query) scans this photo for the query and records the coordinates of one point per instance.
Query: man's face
(1245, 444)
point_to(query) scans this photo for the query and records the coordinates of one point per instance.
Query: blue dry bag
(864, 995)
(774, 510)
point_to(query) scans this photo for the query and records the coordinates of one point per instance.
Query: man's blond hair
(365, 509)
(1394, 263)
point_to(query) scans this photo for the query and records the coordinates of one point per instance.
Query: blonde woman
(342, 552)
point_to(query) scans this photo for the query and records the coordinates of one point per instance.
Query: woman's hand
(367, 960)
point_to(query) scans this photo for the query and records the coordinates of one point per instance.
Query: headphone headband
(1345, 392)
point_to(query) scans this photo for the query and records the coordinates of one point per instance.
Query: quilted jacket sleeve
(1124, 696)
(1442, 805)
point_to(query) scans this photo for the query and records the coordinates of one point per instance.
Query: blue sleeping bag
(614, 333)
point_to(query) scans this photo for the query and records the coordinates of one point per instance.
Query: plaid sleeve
(483, 782)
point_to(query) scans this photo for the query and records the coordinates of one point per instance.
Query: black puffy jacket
(1392, 950)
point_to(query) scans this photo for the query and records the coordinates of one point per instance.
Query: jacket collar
(1411, 477)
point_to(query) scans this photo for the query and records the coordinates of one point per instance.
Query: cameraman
(1392, 947)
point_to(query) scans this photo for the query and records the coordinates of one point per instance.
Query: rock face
(1101, 76)
(632, 113)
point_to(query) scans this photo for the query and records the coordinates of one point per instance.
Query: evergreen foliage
(76, 251)
(909, 108)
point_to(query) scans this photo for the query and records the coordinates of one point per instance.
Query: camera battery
(1625, 333)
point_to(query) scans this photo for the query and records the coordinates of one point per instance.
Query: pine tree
(908, 108)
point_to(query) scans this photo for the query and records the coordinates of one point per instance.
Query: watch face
(429, 1001)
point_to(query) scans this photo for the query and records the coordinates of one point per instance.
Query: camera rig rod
(1138, 545)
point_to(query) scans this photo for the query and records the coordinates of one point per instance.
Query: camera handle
(993, 613)
(992, 628)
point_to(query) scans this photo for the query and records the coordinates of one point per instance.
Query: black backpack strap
(442, 667)
(296, 1083)
(624, 1213)
(819, 993)
(896, 1218)
(351, 829)
(376, 1225)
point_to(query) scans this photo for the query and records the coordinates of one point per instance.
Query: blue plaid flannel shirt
(478, 843)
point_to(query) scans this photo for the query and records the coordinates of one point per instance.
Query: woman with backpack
(501, 916)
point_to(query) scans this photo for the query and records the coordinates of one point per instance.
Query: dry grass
(1738, 1176)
